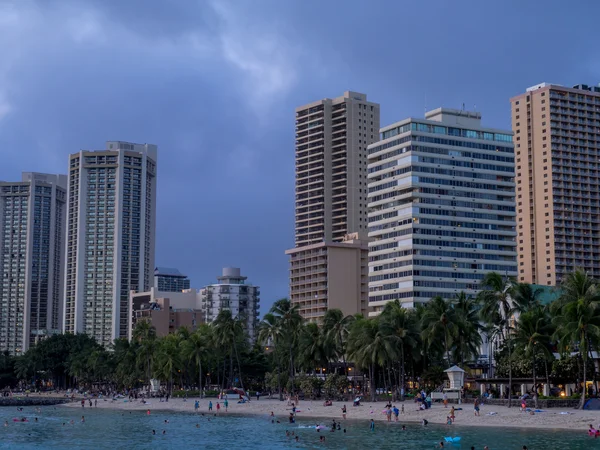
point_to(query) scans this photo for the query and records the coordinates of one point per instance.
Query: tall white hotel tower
(110, 236)
(32, 224)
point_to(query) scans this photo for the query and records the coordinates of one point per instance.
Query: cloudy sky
(214, 84)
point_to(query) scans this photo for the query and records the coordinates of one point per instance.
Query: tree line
(390, 351)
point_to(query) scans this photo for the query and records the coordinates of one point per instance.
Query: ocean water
(106, 429)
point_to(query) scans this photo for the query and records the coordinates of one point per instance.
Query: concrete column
(546, 391)
(502, 390)
(482, 388)
(523, 389)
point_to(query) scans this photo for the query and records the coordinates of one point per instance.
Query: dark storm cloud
(214, 85)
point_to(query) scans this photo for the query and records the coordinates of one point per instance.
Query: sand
(504, 417)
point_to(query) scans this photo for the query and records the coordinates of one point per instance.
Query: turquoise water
(115, 430)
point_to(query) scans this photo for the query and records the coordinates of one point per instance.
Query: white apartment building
(441, 207)
(110, 237)
(32, 225)
(232, 292)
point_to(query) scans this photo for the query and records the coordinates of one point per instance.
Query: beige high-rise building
(330, 275)
(557, 146)
(332, 136)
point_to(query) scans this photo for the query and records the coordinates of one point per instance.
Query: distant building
(110, 237)
(170, 280)
(166, 311)
(32, 227)
(330, 275)
(557, 140)
(332, 136)
(441, 208)
(232, 293)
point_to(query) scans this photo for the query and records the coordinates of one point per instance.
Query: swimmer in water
(36, 419)
(425, 422)
(372, 426)
(6, 423)
(403, 427)
(164, 431)
(153, 431)
(297, 438)
(82, 419)
(197, 425)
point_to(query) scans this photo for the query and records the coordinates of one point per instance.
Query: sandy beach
(503, 417)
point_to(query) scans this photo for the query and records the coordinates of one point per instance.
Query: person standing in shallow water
(372, 426)
(210, 405)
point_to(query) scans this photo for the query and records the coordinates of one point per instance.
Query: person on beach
(445, 400)
(218, 407)
(402, 409)
(452, 413)
(226, 404)
(388, 414)
(344, 412)
(82, 403)
(196, 405)
(372, 425)
(210, 405)
(96, 403)
(476, 407)
(396, 412)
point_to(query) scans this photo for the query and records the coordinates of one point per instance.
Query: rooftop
(168, 271)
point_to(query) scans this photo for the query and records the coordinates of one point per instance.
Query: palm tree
(196, 348)
(438, 324)
(144, 334)
(525, 297)
(228, 331)
(270, 334)
(468, 328)
(400, 328)
(532, 335)
(368, 348)
(337, 327)
(167, 359)
(577, 317)
(312, 344)
(497, 310)
(291, 322)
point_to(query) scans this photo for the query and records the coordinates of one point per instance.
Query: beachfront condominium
(232, 292)
(441, 208)
(32, 225)
(557, 138)
(110, 237)
(167, 279)
(332, 136)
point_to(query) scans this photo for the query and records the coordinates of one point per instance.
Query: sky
(214, 84)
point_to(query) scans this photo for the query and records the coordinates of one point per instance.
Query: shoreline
(575, 420)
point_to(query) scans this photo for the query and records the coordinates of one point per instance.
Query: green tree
(337, 327)
(532, 335)
(577, 317)
(468, 329)
(196, 349)
(167, 359)
(229, 332)
(439, 325)
(144, 334)
(290, 321)
(497, 310)
(270, 334)
(401, 332)
(312, 343)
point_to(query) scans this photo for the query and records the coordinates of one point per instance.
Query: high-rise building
(110, 237)
(332, 136)
(170, 280)
(232, 293)
(557, 138)
(32, 225)
(441, 207)
(330, 275)
(331, 167)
